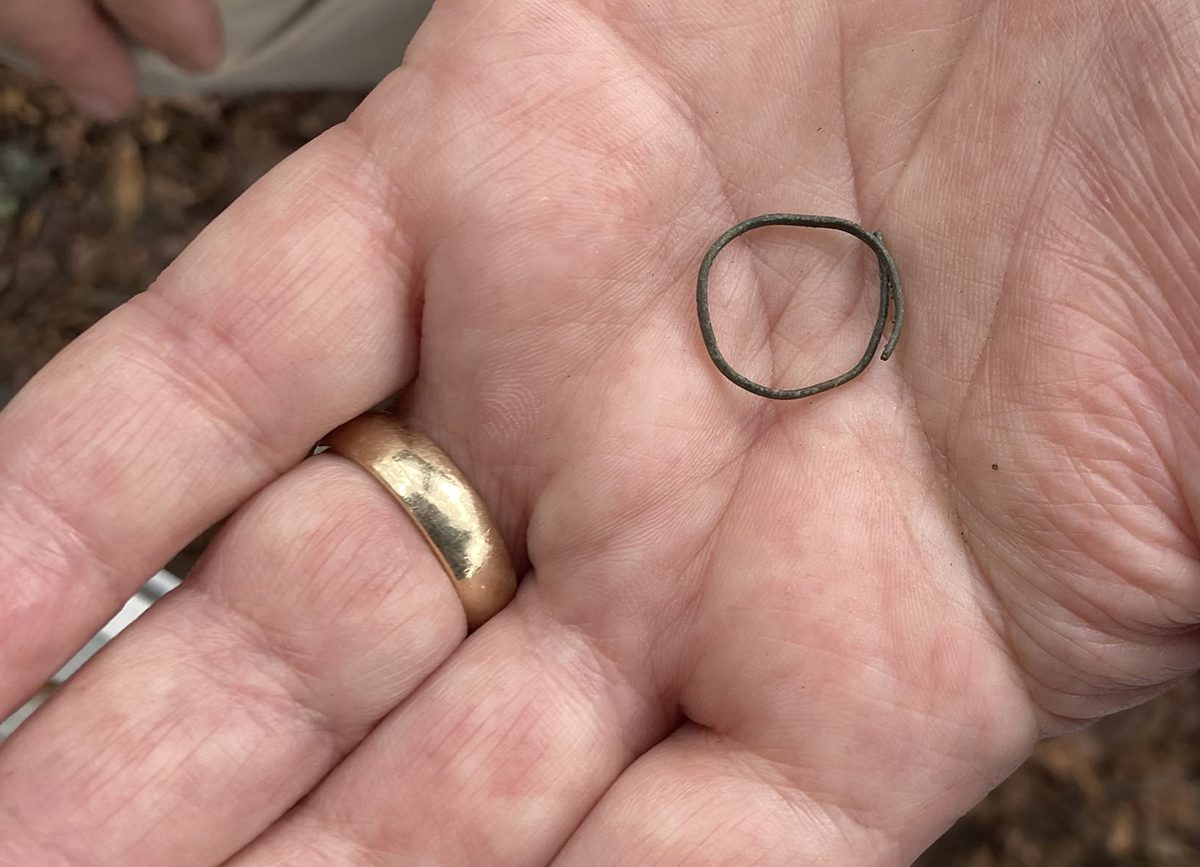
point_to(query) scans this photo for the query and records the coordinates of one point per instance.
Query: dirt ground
(89, 215)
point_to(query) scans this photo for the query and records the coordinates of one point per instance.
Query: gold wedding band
(449, 512)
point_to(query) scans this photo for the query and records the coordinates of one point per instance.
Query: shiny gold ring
(452, 517)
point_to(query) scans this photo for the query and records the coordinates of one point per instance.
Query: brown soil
(90, 215)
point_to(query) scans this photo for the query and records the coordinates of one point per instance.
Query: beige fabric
(298, 44)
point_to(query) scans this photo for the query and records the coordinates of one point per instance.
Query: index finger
(291, 313)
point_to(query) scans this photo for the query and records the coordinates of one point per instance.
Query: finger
(695, 800)
(700, 799)
(493, 761)
(319, 607)
(292, 313)
(186, 32)
(71, 43)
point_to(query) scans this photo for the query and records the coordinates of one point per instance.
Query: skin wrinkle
(1038, 683)
(987, 575)
(688, 854)
(45, 852)
(604, 532)
(78, 550)
(1147, 248)
(283, 699)
(1089, 611)
(717, 470)
(1113, 508)
(1101, 189)
(403, 247)
(603, 669)
(418, 256)
(1035, 684)
(870, 694)
(928, 112)
(294, 678)
(1007, 278)
(699, 564)
(794, 799)
(694, 810)
(90, 777)
(37, 844)
(367, 857)
(860, 215)
(1006, 623)
(1075, 460)
(684, 819)
(1180, 220)
(1165, 33)
(185, 372)
(682, 615)
(143, 839)
(456, 735)
(651, 696)
(330, 843)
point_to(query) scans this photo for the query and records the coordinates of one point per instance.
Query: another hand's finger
(318, 608)
(494, 760)
(186, 32)
(292, 313)
(71, 43)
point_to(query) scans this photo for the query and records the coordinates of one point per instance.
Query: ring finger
(317, 609)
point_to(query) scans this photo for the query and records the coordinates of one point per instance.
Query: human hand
(751, 632)
(81, 44)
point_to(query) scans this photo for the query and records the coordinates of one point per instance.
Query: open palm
(750, 632)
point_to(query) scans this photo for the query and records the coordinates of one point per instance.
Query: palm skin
(762, 633)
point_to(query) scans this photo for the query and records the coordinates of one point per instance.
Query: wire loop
(891, 297)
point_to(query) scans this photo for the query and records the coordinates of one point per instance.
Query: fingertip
(189, 33)
(207, 52)
(207, 58)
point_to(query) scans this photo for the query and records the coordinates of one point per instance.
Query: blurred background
(89, 215)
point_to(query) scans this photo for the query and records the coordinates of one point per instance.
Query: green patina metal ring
(891, 298)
